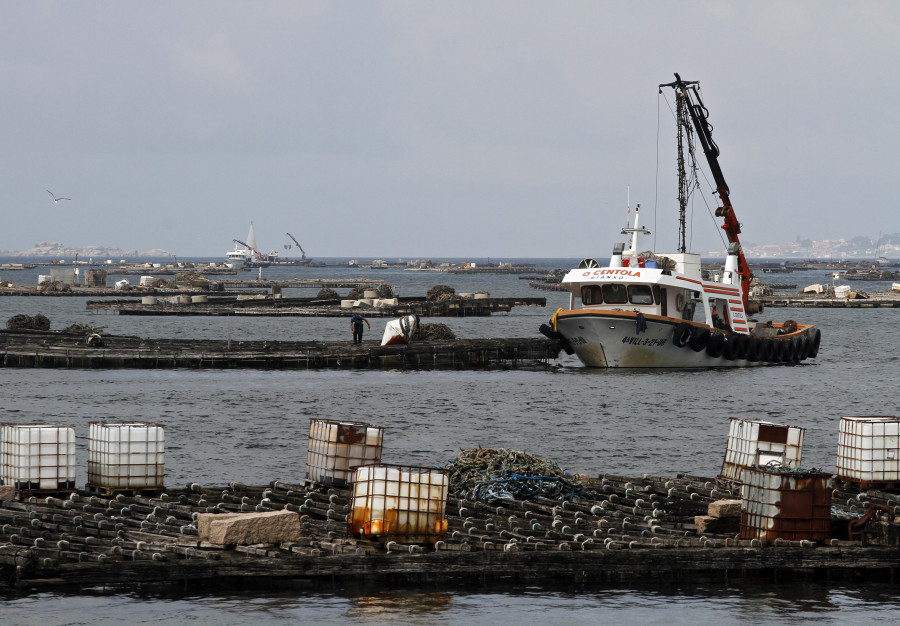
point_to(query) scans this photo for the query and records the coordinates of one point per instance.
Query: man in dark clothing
(356, 325)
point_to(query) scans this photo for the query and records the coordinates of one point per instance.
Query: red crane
(731, 226)
(259, 256)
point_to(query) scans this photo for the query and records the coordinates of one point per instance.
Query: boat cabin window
(615, 294)
(640, 294)
(591, 294)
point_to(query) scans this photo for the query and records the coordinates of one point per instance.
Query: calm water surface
(251, 427)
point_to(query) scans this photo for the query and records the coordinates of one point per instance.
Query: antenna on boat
(635, 230)
(628, 208)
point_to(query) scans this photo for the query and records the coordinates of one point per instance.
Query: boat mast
(683, 127)
(687, 90)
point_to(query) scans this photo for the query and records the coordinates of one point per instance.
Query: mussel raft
(640, 530)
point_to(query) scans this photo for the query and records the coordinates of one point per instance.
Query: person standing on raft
(356, 325)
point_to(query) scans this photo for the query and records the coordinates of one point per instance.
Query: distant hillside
(57, 250)
(857, 248)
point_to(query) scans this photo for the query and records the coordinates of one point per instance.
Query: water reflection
(746, 603)
(411, 604)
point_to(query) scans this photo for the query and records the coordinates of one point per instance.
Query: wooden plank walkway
(59, 349)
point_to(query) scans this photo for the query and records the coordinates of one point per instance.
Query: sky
(413, 129)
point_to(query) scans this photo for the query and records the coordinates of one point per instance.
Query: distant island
(58, 250)
(887, 246)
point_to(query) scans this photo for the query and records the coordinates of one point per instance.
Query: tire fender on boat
(549, 333)
(754, 348)
(699, 338)
(802, 347)
(682, 334)
(736, 348)
(768, 350)
(815, 337)
(715, 345)
(782, 350)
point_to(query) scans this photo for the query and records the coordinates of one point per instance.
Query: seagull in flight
(55, 199)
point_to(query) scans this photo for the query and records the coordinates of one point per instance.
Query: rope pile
(80, 328)
(328, 294)
(385, 291)
(54, 286)
(664, 262)
(440, 293)
(26, 322)
(488, 475)
(434, 332)
(776, 466)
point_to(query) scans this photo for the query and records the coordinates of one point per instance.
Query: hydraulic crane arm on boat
(731, 226)
(254, 250)
(303, 258)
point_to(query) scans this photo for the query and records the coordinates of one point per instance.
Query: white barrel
(869, 449)
(38, 456)
(126, 455)
(148, 300)
(370, 293)
(335, 448)
(405, 502)
(347, 304)
(754, 442)
(63, 275)
(199, 299)
(482, 295)
(183, 299)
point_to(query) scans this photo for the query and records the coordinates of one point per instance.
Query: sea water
(251, 426)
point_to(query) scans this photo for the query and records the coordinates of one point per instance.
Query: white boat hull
(613, 340)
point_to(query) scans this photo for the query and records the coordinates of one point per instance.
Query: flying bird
(55, 199)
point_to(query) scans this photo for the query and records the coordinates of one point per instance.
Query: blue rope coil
(521, 487)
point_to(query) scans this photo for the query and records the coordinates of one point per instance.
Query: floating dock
(631, 530)
(313, 307)
(881, 300)
(77, 350)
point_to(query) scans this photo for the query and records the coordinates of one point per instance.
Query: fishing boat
(247, 254)
(649, 309)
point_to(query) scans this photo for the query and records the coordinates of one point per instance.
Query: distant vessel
(639, 310)
(246, 254)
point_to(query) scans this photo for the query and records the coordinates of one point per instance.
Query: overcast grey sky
(413, 129)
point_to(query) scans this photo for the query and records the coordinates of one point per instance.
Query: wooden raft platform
(311, 283)
(874, 301)
(638, 530)
(312, 307)
(70, 350)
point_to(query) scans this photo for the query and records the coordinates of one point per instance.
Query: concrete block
(205, 519)
(706, 524)
(725, 508)
(252, 528)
